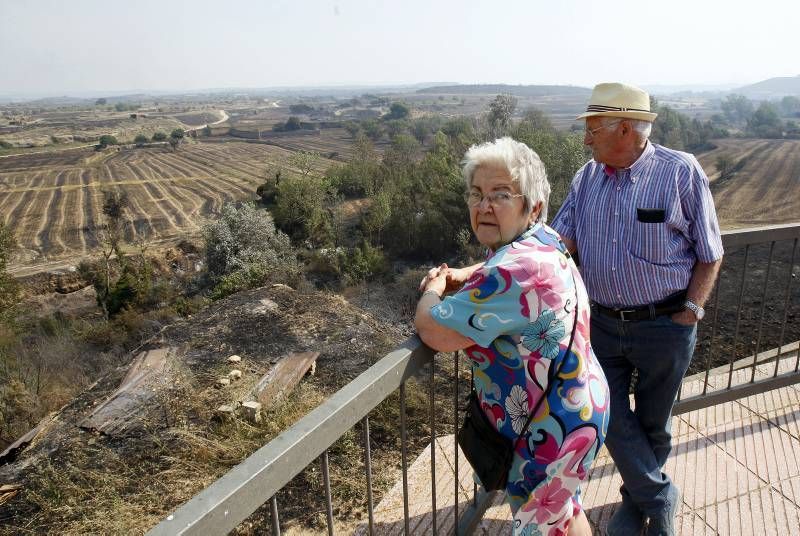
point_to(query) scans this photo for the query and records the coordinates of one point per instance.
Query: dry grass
(108, 487)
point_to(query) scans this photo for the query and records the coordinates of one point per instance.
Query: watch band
(698, 311)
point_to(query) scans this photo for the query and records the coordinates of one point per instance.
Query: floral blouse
(519, 309)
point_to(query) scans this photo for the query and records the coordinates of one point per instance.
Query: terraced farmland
(766, 190)
(332, 142)
(53, 201)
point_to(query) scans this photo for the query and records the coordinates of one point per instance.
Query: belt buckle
(622, 313)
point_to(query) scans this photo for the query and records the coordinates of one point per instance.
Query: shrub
(159, 136)
(140, 139)
(244, 249)
(364, 263)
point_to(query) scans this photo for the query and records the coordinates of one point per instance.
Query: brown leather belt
(670, 305)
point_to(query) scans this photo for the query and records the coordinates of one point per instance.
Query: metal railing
(220, 507)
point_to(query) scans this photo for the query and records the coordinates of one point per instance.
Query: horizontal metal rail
(751, 236)
(219, 508)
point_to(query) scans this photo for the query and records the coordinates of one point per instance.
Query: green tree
(300, 208)
(352, 128)
(106, 140)
(178, 134)
(765, 122)
(140, 139)
(790, 106)
(303, 161)
(159, 136)
(101, 101)
(293, 123)
(737, 108)
(501, 109)
(398, 110)
(373, 129)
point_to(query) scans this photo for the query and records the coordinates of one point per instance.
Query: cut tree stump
(283, 377)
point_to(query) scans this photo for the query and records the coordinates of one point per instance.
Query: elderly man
(642, 220)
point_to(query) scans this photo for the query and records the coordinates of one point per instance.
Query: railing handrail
(735, 238)
(224, 504)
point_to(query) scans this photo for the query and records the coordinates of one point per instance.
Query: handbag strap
(558, 370)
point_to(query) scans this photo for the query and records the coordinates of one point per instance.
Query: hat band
(599, 108)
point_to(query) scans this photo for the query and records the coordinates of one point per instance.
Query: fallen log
(283, 377)
(118, 412)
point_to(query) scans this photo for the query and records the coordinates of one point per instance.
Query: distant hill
(520, 91)
(772, 88)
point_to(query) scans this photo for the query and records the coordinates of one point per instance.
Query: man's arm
(572, 246)
(702, 281)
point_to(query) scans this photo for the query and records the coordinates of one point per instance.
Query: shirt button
(613, 268)
(616, 214)
(614, 240)
(618, 188)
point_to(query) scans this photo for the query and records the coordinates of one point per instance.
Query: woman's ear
(535, 211)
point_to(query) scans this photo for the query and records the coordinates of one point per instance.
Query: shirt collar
(527, 233)
(636, 168)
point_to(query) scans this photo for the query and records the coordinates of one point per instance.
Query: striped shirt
(639, 231)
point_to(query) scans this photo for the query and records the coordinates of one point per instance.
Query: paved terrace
(737, 464)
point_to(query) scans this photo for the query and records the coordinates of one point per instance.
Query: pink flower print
(549, 501)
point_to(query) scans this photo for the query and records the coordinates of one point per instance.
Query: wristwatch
(698, 311)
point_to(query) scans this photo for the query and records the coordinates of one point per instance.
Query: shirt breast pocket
(651, 236)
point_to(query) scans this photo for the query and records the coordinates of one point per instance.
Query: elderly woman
(515, 315)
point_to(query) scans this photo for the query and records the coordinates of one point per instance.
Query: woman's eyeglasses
(495, 199)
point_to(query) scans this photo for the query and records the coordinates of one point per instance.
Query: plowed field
(766, 190)
(52, 202)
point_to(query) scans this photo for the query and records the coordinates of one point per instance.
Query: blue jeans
(639, 440)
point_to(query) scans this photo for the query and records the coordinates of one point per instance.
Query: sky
(61, 47)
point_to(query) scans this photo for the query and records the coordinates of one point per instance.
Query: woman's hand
(454, 277)
(436, 280)
(432, 274)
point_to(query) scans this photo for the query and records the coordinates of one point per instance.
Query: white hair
(643, 128)
(523, 164)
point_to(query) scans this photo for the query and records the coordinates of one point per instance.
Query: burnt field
(765, 189)
(52, 202)
(754, 308)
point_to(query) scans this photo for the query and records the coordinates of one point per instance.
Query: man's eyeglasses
(590, 131)
(495, 199)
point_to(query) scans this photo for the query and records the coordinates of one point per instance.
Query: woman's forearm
(432, 333)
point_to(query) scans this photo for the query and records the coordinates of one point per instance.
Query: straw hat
(619, 100)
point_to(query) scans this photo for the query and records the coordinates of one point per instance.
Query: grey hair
(643, 128)
(522, 163)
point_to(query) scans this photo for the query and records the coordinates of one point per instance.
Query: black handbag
(489, 452)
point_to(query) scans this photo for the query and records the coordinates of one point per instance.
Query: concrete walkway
(737, 465)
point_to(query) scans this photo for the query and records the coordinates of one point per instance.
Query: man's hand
(685, 318)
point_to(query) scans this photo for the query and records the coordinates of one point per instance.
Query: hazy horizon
(94, 48)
